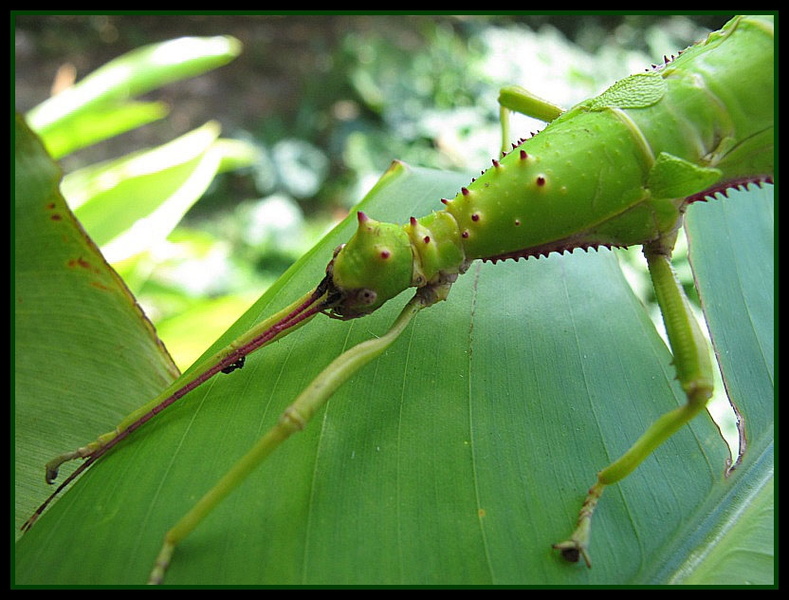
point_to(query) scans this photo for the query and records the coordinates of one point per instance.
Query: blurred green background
(328, 101)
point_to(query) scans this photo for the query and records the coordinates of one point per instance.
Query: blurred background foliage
(327, 102)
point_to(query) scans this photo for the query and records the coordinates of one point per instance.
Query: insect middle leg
(694, 372)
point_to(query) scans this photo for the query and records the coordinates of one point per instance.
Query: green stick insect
(615, 171)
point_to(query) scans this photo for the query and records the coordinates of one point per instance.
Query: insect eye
(366, 296)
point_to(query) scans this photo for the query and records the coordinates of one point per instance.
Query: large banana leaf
(458, 457)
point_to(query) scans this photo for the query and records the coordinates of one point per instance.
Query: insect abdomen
(718, 110)
(616, 170)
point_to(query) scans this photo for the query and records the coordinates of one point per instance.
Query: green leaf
(129, 204)
(458, 457)
(81, 129)
(732, 253)
(79, 336)
(89, 110)
(743, 552)
(732, 250)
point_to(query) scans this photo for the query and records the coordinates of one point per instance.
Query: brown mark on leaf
(83, 264)
(51, 206)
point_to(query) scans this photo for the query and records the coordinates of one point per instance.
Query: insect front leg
(293, 419)
(694, 372)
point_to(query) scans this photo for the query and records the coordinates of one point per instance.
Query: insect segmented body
(616, 170)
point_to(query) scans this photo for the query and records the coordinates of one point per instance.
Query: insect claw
(572, 551)
(52, 468)
(51, 474)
